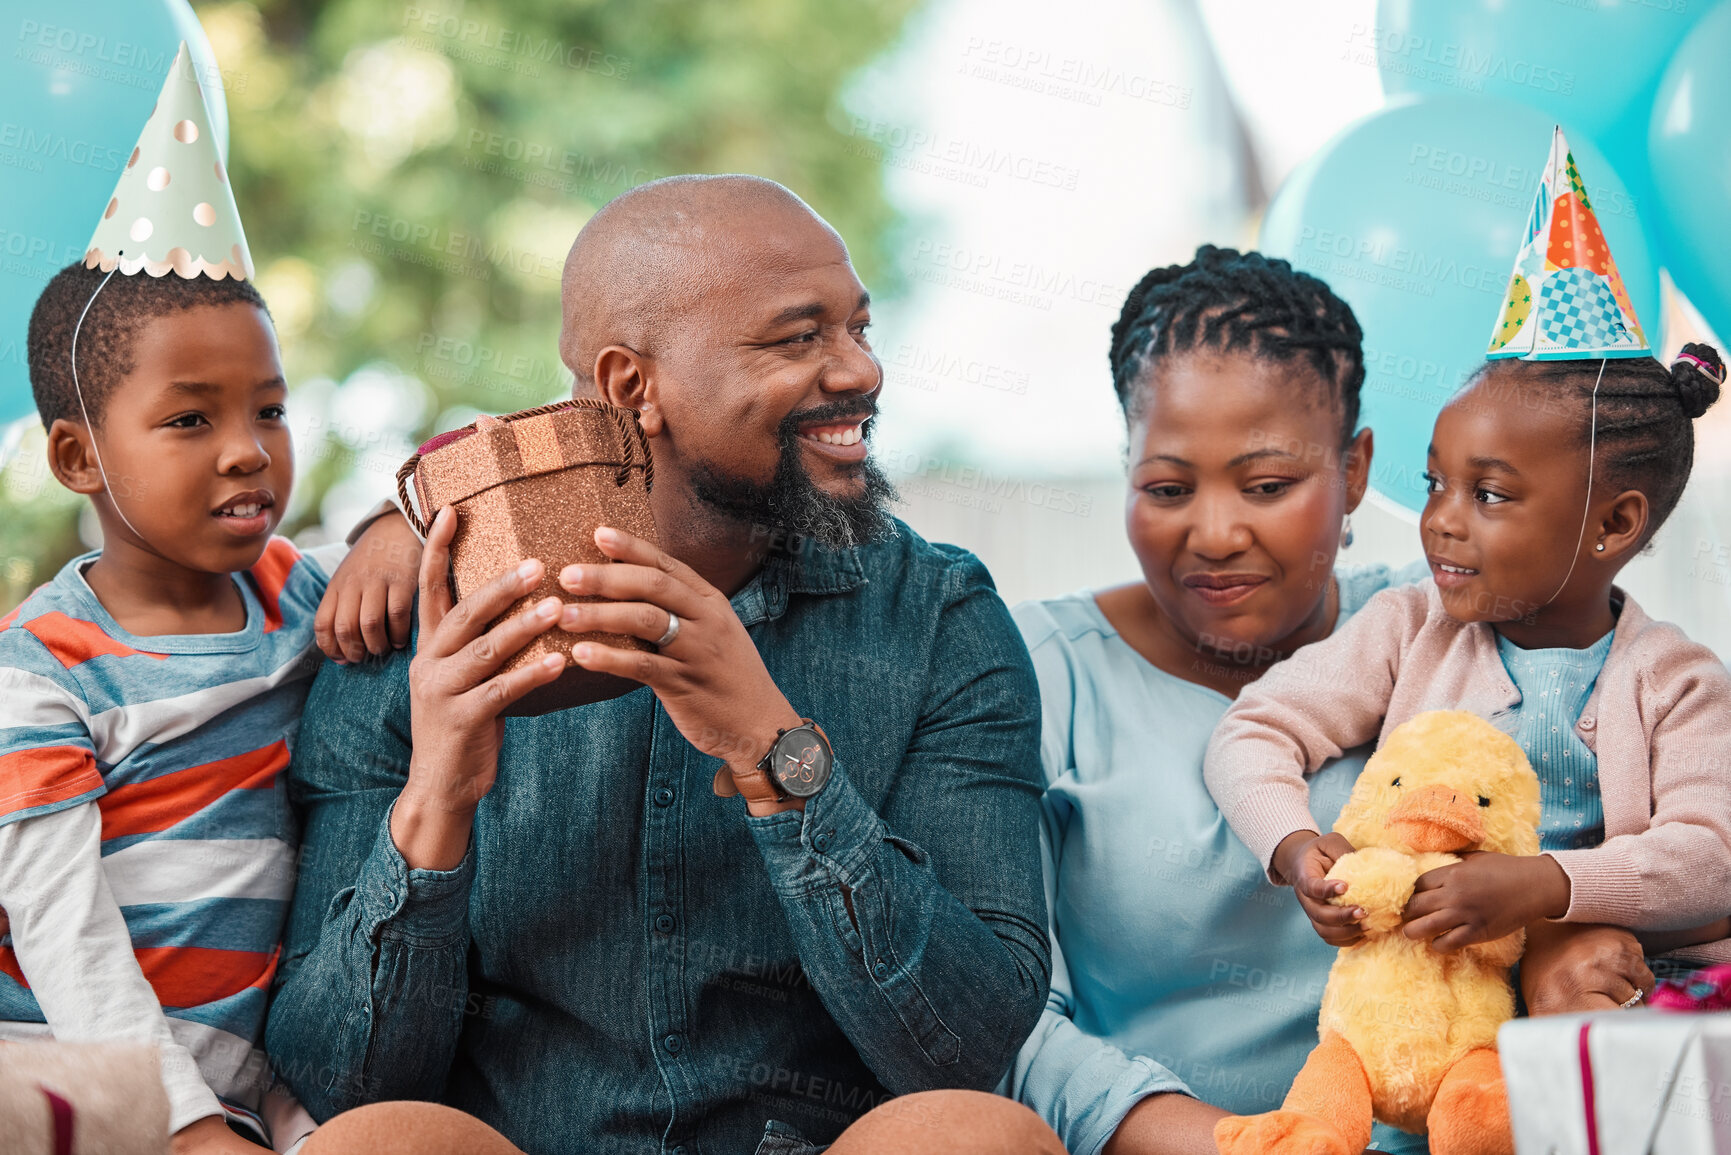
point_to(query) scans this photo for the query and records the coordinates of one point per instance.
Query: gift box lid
(465, 462)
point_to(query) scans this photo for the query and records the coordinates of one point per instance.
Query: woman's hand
(456, 697)
(1484, 897)
(367, 606)
(1571, 967)
(1305, 857)
(710, 679)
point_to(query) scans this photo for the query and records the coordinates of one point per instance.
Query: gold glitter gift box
(537, 484)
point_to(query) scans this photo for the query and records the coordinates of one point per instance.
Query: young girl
(1540, 493)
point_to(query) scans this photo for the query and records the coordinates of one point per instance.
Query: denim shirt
(624, 962)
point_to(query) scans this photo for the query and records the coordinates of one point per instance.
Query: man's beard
(794, 504)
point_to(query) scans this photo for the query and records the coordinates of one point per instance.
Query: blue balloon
(78, 85)
(1690, 159)
(1593, 65)
(1414, 216)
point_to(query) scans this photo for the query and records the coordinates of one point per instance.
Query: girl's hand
(1305, 857)
(1483, 897)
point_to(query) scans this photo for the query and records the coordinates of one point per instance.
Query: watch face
(801, 762)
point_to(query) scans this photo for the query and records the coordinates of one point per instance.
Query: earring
(1346, 532)
(1600, 547)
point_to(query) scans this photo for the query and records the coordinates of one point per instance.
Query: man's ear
(622, 379)
(72, 456)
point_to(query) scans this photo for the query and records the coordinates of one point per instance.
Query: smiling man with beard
(568, 926)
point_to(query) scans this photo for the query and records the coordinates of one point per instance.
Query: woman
(1177, 966)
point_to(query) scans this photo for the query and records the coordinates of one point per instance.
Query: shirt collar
(812, 569)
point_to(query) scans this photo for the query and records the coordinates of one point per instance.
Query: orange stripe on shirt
(191, 976)
(271, 575)
(73, 640)
(43, 775)
(159, 803)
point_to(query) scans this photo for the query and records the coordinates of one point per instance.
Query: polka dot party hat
(173, 210)
(1565, 299)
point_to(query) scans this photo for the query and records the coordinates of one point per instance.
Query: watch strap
(755, 785)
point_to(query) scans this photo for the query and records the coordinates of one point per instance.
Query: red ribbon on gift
(62, 1114)
(1587, 1092)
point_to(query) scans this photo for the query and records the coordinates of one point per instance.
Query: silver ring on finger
(672, 630)
(1632, 999)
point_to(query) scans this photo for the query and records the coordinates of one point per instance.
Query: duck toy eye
(1483, 801)
(1396, 782)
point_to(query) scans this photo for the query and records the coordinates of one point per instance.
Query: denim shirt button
(882, 969)
(664, 796)
(673, 1043)
(664, 924)
(821, 842)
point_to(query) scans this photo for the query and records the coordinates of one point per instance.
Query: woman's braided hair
(1230, 301)
(1645, 435)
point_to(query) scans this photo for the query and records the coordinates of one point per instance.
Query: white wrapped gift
(1619, 1083)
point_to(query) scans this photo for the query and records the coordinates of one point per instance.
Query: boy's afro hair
(105, 340)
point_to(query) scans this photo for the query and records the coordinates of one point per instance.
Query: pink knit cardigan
(1658, 722)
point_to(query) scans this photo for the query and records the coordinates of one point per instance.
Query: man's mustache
(843, 410)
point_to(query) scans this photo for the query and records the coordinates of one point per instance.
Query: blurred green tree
(411, 175)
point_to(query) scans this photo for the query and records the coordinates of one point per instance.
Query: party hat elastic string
(1587, 511)
(113, 497)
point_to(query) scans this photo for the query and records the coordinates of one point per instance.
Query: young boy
(150, 693)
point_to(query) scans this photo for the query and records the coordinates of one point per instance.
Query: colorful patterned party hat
(173, 208)
(1566, 298)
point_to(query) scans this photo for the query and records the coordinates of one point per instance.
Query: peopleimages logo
(95, 46)
(975, 158)
(508, 43)
(1373, 258)
(1461, 65)
(25, 141)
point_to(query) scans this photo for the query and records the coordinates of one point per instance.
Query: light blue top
(1176, 965)
(1554, 686)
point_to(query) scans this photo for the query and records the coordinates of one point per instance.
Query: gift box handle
(632, 442)
(406, 471)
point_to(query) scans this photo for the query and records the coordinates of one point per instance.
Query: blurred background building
(411, 175)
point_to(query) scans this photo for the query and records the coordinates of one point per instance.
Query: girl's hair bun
(1697, 375)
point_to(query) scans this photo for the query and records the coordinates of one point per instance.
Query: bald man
(793, 879)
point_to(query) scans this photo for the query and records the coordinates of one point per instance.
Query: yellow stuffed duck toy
(1409, 1034)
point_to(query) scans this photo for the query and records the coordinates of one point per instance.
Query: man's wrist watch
(799, 761)
(797, 766)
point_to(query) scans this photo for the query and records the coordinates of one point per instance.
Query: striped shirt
(180, 742)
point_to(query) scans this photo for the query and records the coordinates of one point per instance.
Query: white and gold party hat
(173, 210)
